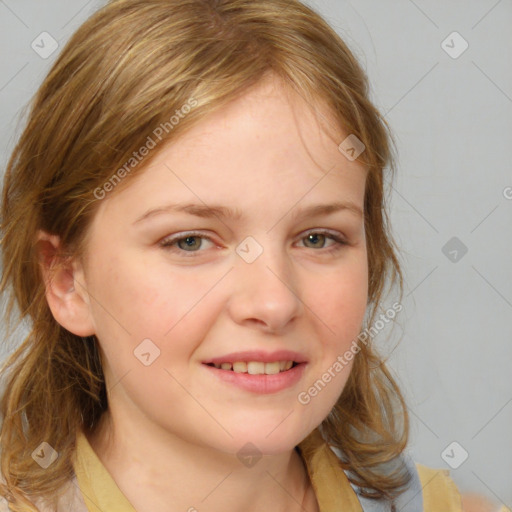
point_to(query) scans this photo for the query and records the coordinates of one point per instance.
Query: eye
(317, 240)
(193, 242)
(185, 242)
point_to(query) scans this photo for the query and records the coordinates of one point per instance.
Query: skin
(173, 430)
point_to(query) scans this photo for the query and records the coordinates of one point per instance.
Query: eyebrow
(208, 211)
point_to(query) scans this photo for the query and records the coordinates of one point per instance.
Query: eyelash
(168, 243)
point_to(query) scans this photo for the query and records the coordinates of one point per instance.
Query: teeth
(272, 368)
(256, 367)
(240, 367)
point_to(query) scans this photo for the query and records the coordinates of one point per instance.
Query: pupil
(314, 238)
(190, 241)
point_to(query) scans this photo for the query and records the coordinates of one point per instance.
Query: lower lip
(261, 384)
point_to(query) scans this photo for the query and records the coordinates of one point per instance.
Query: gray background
(452, 345)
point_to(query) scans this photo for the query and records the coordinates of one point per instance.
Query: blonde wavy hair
(126, 71)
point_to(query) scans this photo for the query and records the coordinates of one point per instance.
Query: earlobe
(65, 286)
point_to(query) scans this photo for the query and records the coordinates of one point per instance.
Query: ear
(65, 286)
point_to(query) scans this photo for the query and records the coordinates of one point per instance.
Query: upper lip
(258, 355)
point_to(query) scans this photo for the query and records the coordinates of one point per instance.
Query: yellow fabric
(332, 488)
(439, 490)
(441, 493)
(99, 490)
(330, 483)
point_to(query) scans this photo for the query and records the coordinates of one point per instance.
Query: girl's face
(245, 236)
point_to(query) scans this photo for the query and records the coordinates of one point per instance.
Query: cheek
(136, 302)
(140, 298)
(340, 306)
(340, 302)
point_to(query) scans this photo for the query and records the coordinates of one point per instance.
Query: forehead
(268, 144)
(271, 121)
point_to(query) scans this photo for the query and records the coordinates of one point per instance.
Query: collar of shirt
(331, 485)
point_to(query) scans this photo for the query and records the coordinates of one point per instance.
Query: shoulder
(439, 490)
(441, 494)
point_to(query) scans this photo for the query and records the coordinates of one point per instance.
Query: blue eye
(189, 242)
(186, 244)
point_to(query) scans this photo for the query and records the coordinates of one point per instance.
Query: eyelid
(324, 231)
(339, 241)
(169, 240)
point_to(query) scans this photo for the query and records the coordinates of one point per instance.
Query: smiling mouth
(255, 367)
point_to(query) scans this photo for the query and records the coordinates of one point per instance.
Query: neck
(157, 469)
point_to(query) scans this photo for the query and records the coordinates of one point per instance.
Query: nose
(265, 292)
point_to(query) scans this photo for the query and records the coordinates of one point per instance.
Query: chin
(267, 438)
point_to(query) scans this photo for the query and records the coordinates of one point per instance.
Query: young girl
(194, 223)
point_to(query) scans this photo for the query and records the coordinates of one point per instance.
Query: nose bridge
(266, 286)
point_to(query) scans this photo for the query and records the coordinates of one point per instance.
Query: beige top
(94, 490)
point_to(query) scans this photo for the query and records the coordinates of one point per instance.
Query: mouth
(256, 367)
(257, 377)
